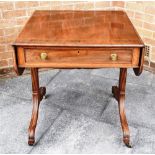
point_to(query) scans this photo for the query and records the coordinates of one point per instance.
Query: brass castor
(31, 141)
(126, 141)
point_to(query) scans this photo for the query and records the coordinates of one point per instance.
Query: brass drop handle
(43, 56)
(113, 57)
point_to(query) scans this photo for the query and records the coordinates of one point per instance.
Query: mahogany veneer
(78, 39)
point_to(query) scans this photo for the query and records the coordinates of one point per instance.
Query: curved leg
(34, 119)
(38, 94)
(119, 94)
(124, 124)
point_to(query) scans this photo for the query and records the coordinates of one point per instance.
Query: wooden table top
(79, 28)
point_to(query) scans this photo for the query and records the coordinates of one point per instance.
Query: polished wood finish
(79, 28)
(17, 69)
(83, 56)
(37, 94)
(139, 69)
(119, 94)
(78, 57)
(79, 39)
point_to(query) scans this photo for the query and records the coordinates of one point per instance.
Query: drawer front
(89, 58)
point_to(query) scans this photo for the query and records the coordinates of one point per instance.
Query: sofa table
(78, 39)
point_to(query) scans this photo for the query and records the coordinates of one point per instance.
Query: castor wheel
(31, 141)
(127, 141)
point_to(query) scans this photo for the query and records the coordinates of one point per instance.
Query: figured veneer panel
(79, 28)
(79, 56)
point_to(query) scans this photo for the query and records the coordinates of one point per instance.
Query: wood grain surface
(79, 28)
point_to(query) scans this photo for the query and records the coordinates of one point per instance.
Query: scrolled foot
(31, 136)
(31, 141)
(126, 140)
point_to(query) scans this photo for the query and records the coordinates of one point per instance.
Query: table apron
(78, 57)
